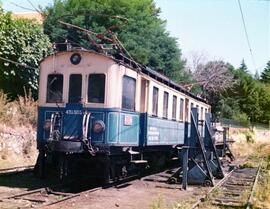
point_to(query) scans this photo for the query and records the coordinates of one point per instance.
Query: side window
(96, 88)
(75, 88)
(165, 104)
(174, 107)
(181, 109)
(198, 111)
(155, 102)
(54, 88)
(128, 93)
(202, 115)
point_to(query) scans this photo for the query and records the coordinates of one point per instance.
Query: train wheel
(172, 180)
(207, 183)
(220, 175)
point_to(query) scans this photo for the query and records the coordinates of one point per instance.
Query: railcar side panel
(164, 132)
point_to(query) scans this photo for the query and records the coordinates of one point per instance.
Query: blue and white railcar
(109, 111)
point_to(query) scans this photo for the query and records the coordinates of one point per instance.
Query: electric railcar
(107, 116)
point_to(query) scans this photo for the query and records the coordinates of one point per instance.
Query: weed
(22, 111)
(157, 204)
(249, 136)
(181, 206)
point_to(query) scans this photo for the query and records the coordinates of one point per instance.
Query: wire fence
(236, 124)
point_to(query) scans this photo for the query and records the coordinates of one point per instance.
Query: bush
(241, 118)
(3, 105)
(28, 108)
(22, 111)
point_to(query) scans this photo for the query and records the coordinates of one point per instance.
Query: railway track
(44, 197)
(15, 170)
(235, 190)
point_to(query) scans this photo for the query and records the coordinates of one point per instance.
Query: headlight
(75, 58)
(98, 126)
(47, 125)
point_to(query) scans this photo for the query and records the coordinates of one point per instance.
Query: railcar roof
(121, 59)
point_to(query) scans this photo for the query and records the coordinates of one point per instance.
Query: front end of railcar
(68, 127)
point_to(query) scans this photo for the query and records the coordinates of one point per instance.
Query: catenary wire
(18, 63)
(246, 34)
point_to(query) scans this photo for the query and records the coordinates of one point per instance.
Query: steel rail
(14, 170)
(196, 204)
(23, 195)
(250, 201)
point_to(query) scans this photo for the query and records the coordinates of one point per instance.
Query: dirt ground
(140, 193)
(136, 194)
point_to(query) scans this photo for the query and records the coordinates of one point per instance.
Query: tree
(243, 66)
(136, 23)
(265, 76)
(22, 46)
(257, 75)
(214, 76)
(251, 96)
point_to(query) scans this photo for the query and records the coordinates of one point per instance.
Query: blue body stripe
(123, 128)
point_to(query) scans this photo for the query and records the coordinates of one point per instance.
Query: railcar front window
(165, 104)
(155, 102)
(174, 108)
(128, 93)
(54, 88)
(75, 88)
(96, 88)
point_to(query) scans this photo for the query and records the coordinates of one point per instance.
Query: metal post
(224, 141)
(185, 168)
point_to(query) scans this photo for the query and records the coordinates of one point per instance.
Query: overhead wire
(18, 63)
(22, 7)
(37, 10)
(246, 34)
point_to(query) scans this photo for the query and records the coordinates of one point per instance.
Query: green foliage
(241, 117)
(257, 75)
(243, 67)
(265, 76)
(246, 102)
(22, 41)
(143, 35)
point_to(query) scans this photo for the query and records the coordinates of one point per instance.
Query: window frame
(181, 109)
(62, 90)
(135, 90)
(165, 112)
(202, 113)
(174, 107)
(69, 87)
(155, 113)
(87, 88)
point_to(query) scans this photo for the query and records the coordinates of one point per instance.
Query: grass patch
(158, 204)
(262, 192)
(260, 157)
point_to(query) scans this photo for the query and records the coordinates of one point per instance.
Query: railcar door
(72, 121)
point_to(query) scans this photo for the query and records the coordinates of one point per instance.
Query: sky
(213, 28)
